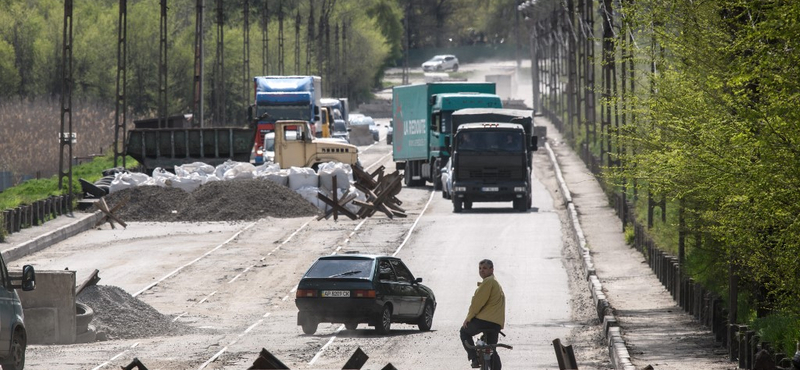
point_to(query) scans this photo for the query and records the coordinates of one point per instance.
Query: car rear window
(340, 268)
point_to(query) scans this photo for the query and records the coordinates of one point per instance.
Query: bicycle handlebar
(484, 346)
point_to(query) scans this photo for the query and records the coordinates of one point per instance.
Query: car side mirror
(418, 280)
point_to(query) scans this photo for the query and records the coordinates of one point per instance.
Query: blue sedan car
(353, 289)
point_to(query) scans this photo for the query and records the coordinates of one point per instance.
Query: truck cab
(296, 146)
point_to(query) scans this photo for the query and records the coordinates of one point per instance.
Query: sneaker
(475, 363)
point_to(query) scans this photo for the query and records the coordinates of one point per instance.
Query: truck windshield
(499, 141)
(285, 112)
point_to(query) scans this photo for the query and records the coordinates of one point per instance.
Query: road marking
(240, 336)
(195, 260)
(116, 357)
(379, 161)
(411, 230)
(316, 356)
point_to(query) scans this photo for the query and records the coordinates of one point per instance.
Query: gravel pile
(232, 200)
(121, 316)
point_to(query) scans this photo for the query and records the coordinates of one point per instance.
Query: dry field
(29, 131)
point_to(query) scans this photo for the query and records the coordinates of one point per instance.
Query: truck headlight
(460, 188)
(519, 189)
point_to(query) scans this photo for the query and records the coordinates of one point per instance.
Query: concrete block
(50, 308)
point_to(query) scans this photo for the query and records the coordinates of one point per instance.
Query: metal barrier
(36, 214)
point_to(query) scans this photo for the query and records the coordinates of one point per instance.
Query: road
(233, 283)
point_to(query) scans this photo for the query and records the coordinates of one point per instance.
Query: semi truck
(421, 115)
(283, 98)
(492, 157)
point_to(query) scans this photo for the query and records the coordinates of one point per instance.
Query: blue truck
(283, 98)
(423, 126)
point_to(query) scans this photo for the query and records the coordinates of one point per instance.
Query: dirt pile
(232, 200)
(122, 316)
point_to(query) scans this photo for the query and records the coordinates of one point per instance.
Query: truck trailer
(423, 127)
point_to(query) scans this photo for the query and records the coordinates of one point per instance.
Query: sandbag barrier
(35, 214)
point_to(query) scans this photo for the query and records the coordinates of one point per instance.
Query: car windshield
(341, 268)
(436, 59)
(269, 143)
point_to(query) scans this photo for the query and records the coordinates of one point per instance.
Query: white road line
(116, 357)
(240, 336)
(411, 230)
(379, 161)
(240, 274)
(316, 356)
(195, 260)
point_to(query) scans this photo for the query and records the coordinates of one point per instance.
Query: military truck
(423, 127)
(492, 157)
(295, 146)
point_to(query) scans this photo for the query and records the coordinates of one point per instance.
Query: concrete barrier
(50, 308)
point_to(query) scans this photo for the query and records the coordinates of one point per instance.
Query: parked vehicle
(492, 157)
(340, 130)
(340, 104)
(424, 128)
(390, 132)
(441, 63)
(447, 179)
(361, 119)
(307, 151)
(284, 98)
(354, 289)
(13, 337)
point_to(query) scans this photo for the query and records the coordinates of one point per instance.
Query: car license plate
(335, 293)
(490, 188)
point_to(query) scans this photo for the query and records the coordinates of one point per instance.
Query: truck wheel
(456, 206)
(407, 177)
(467, 204)
(437, 178)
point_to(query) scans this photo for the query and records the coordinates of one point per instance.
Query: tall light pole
(526, 8)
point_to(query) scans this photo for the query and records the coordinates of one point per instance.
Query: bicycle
(485, 351)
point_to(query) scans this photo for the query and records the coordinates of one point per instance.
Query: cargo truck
(492, 157)
(421, 115)
(284, 98)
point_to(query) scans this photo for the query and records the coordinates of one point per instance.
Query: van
(13, 338)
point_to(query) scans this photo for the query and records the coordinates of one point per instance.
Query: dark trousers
(475, 327)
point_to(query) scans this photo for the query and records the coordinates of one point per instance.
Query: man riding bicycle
(486, 313)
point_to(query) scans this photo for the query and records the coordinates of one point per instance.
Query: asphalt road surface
(233, 284)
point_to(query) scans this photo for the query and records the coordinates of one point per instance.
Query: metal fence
(36, 214)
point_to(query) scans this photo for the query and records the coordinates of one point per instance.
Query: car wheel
(384, 321)
(351, 325)
(426, 319)
(310, 326)
(455, 67)
(16, 359)
(456, 206)
(444, 193)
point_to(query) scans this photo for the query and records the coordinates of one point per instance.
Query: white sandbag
(211, 178)
(266, 169)
(341, 171)
(188, 183)
(125, 180)
(240, 171)
(225, 166)
(359, 196)
(309, 193)
(187, 169)
(302, 177)
(280, 177)
(162, 177)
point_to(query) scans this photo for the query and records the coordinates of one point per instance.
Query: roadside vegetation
(710, 124)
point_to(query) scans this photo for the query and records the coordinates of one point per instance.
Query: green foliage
(629, 235)
(37, 189)
(780, 330)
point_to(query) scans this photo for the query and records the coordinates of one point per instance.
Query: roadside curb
(85, 222)
(617, 350)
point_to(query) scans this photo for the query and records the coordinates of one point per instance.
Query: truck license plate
(335, 293)
(490, 188)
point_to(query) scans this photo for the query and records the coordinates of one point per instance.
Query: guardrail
(36, 214)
